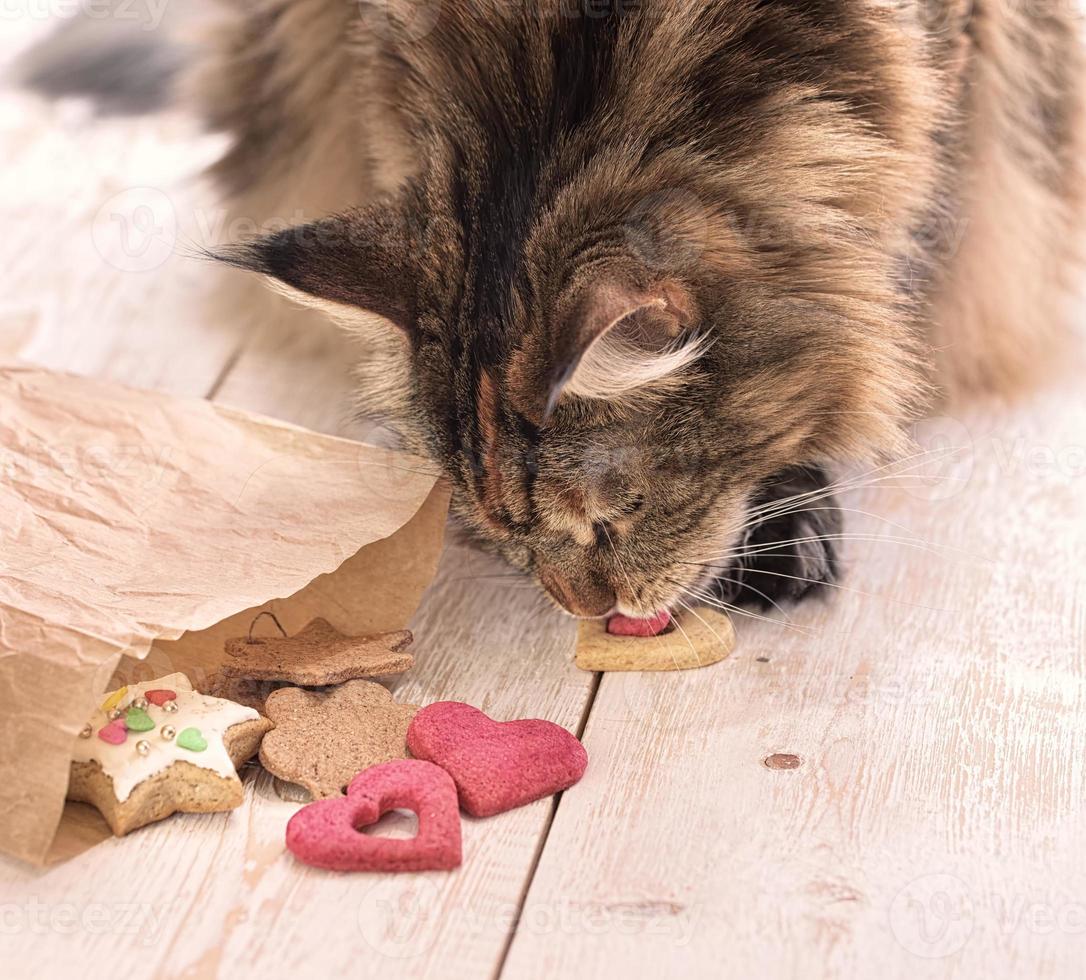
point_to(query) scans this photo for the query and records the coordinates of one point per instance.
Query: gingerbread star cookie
(316, 656)
(699, 638)
(323, 738)
(159, 747)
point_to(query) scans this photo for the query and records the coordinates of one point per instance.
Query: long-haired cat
(633, 271)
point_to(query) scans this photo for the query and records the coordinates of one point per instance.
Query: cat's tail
(126, 59)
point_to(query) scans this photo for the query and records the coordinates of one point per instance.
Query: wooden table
(936, 703)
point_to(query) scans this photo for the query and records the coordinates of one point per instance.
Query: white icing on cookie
(127, 768)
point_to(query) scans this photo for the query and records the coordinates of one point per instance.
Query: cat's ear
(359, 260)
(616, 340)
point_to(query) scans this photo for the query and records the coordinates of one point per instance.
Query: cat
(639, 275)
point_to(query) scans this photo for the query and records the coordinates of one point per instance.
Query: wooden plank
(484, 636)
(198, 895)
(99, 217)
(934, 826)
(215, 895)
(471, 647)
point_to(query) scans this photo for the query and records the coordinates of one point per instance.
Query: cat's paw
(792, 554)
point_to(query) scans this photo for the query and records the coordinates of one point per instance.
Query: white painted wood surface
(934, 826)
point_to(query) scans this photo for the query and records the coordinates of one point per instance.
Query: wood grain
(934, 826)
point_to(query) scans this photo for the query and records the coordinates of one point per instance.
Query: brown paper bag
(138, 531)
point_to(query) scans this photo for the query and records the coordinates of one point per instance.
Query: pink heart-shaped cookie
(327, 833)
(496, 766)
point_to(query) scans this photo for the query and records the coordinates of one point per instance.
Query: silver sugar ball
(143, 747)
(168, 732)
(87, 732)
(170, 706)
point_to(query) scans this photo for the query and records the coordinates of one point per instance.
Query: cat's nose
(582, 595)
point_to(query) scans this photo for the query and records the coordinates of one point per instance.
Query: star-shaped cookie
(323, 738)
(159, 747)
(316, 656)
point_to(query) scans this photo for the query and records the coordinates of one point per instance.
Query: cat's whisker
(830, 585)
(746, 585)
(736, 610)
(622, 569)
(748, 552)
(790, 505)
(776, 508)
(711, 600)
(847, 510)
(920, 544)
(861, 480)
(693, 612)
(686, 636)
(916, 459)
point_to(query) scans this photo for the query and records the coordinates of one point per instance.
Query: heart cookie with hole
(329, 833)
(496, 765)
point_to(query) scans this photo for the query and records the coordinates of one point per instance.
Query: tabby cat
(639, 274)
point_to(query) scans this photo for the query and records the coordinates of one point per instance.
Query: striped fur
(793, 206)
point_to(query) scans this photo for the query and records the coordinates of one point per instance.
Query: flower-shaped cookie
(323, 738)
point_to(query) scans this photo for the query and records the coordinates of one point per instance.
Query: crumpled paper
(138, 531)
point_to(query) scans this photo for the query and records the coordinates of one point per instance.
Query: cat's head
(610, 334)
(605, 417)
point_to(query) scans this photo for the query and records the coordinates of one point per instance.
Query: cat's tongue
(619, 625)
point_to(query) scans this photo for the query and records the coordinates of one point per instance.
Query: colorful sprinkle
(160, 696)
(115, 732)
(137, 720)
(113, 700)
(192, 740)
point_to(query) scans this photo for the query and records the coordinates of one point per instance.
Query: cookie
(496, 766)
(158, 748)
(318, 655)
(322, 738)
(326, 834)
(697, 641)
